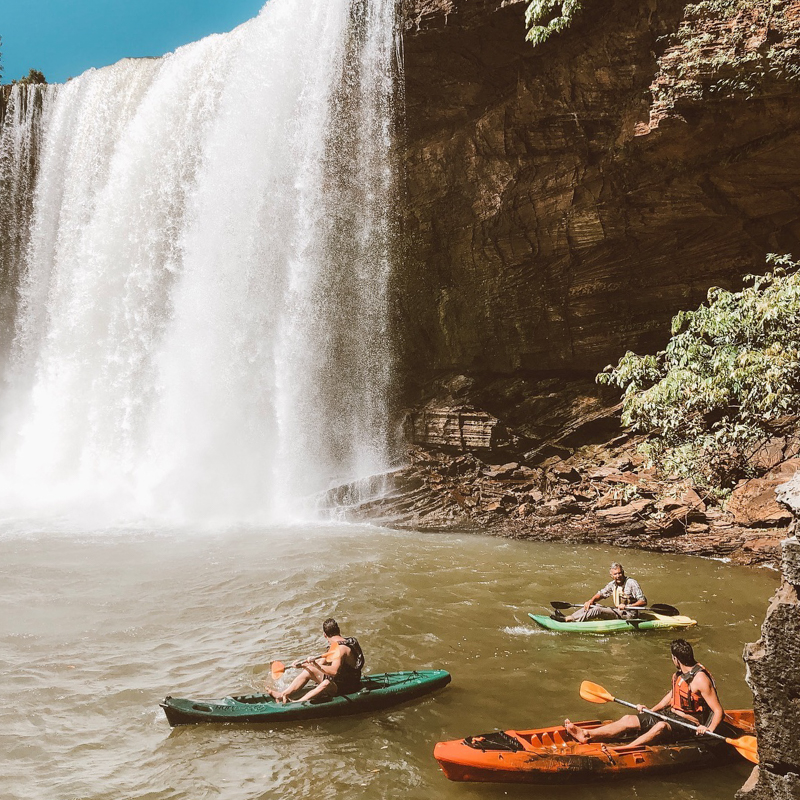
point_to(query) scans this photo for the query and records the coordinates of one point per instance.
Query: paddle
(656, 608)
(747, 746)
(278, 667)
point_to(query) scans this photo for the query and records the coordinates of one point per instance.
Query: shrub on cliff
(33, 76)
(729, 373)
(546, 17)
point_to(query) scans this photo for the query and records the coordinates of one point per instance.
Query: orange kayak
(549, 755)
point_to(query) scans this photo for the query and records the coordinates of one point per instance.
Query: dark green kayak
(377, 691)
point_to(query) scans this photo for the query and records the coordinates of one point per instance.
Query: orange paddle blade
(747, 746)
(595, 693)
(278, 668)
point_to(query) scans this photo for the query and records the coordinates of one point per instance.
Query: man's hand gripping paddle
(278, 667)
(747, 746)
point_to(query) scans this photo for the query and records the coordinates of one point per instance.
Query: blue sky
(63, 38)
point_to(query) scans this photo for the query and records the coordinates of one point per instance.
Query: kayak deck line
(377, 691)
(647, 621)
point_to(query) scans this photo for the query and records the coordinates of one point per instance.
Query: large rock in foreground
(773, 673)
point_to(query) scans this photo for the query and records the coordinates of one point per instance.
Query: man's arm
(599, 595)
(330, 666)
(709, 694)
(595, 597)
(664, 702)
(636, 592)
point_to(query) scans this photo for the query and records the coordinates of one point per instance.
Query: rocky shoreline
(575, 477)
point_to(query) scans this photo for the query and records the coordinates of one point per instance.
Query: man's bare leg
(657, 730)
(298, 683)
(605, 733)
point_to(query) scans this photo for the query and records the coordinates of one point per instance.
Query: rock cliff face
(773, 672)
(564, 201)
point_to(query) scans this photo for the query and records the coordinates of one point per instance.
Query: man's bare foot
(578, 734)
(278, 697)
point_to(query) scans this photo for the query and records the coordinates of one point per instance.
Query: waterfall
(201, 323)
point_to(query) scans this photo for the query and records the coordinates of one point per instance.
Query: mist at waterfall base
(197, 323)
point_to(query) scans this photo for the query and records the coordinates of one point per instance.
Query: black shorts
(676, 732)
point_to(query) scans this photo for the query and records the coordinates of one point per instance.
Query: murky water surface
(97, 628)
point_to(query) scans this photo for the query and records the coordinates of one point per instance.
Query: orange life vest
(683, 698)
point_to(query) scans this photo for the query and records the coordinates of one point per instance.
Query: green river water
(98, 627)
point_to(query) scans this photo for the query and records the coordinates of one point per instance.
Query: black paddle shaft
(668, 719)
(657, 608)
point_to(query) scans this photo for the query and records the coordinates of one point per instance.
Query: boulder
(773, 673)
(455, 427)
(622, 515)
(754, 503)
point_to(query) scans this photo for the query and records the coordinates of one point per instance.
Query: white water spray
(201, 327)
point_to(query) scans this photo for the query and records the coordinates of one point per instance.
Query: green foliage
(546, 17)
(729, 372)
(33, 76)
(730, 48)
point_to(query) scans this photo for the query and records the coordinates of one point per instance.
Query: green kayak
(377, 691)
(647, 621)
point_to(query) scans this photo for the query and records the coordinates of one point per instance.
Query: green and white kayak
(377, 691)
(647, 621)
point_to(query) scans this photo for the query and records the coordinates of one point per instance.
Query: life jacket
(683, 698)
(355, 647)
(619, 597)
(349, 678)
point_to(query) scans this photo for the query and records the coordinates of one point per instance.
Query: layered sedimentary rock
(773, 672)
(565, 200)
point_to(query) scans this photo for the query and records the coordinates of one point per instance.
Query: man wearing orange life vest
(693, 698)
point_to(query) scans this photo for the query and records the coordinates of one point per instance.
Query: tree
(1, 57)
(728, 377)
(546, 17)
(33, 76)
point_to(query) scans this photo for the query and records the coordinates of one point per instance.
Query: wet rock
(457, 428)
(558, 507)
(601, 473)
(773, 673)
(622, 515)
(503, 471)
(754, 502)
(695, 528)
(565, 472)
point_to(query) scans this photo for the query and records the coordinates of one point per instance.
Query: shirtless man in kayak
(337, 672)
(692, 698)
(625, 593)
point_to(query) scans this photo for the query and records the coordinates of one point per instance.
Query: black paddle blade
(561, 605)
(665, 610)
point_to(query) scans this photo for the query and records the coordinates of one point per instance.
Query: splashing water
(201, 322)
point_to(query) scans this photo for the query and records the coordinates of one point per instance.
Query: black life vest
(349, 678)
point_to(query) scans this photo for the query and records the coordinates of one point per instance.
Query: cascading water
(201, 318)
